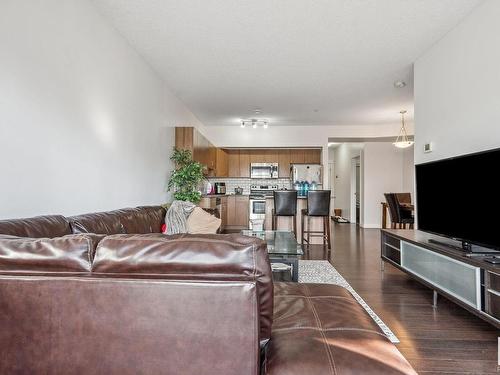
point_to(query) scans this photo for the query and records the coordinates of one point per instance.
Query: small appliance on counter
(238, 190)
(220, 188)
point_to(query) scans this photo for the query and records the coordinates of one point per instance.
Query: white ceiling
(303, 62)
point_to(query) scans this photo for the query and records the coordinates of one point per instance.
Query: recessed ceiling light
(399, 84)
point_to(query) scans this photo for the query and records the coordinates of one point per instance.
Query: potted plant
(186, 176)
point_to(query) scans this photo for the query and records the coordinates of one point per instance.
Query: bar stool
(318, 205)
(285, 204)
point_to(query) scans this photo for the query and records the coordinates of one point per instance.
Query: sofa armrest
(192, 257)
(120, 326)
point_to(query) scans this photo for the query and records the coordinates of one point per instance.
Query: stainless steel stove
(258, 194)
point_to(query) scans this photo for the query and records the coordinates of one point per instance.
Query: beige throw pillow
(201, 222)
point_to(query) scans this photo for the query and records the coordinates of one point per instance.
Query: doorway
(355, 190)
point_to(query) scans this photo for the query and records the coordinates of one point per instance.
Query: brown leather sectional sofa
(106, 293)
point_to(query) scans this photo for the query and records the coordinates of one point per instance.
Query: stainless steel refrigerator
(310, 173)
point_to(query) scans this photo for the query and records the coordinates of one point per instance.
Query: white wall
(343, 155)
(85, 124)
(382, 172)
(408, 171)
(457, 88)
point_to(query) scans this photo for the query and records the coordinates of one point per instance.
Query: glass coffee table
(283, 249)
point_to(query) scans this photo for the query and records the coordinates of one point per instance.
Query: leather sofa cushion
(71, 253)
(321, 329)
(97, 222)
(36, 227)
(193, 257)
(155, 216)
(142, 219)
(145, 219)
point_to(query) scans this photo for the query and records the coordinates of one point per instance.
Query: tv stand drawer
(459, 279)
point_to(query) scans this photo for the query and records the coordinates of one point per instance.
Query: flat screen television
(459, 198)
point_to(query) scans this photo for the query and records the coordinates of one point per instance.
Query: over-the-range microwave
(264, 170)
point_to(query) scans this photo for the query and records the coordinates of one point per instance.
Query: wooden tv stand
(468, 281)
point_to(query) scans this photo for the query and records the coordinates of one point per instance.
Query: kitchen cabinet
(284, 163)
(221, 163)
(214, 159)
(188, 138)
(312, 156)
(257, 156)
(237, 212)
(244, 163)
(184, 138)
(271, 155)
(297, 156)
(233, 160)
(223, 212)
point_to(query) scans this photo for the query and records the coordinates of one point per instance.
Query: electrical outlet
(428, 147)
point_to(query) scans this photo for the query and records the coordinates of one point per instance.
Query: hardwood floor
(446, 339)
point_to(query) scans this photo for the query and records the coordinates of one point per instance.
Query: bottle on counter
(306, 188)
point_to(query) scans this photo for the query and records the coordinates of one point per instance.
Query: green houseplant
(186, 176)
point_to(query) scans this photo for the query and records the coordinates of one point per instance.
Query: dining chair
(400, 217)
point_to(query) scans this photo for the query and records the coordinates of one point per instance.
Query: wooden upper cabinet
(189, 138)
(236, 162)
(284, 163)
(184, 138)
(271, 156)
(244, 163)
(221, 163)
(257, 156)
(233, 158)
(297, 156)
(312, 156)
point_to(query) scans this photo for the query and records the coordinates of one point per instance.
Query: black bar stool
(318, 205)
(285, 204)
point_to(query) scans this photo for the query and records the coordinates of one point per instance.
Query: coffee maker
(220, 188)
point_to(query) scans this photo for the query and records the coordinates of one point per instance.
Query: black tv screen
(459, 198)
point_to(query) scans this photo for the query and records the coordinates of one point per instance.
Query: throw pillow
(201, 222)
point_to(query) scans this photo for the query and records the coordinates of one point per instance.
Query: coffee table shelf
(282, 247)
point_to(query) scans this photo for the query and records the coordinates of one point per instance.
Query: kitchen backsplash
(245, 183)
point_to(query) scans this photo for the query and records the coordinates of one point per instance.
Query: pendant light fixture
(402, 141)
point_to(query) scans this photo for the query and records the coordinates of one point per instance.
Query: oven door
(257, 208)
(260, 170)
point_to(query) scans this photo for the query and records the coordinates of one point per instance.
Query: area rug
(322, 272)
